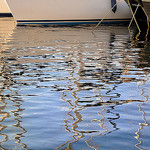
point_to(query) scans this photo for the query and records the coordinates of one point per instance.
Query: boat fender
(113, 2)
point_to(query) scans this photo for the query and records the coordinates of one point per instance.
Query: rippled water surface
(68, 88)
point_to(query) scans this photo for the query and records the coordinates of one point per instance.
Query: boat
(4, 9)
(69, 12)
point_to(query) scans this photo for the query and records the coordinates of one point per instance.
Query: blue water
(73, 89)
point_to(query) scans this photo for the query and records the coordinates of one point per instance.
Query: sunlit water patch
(71, 88)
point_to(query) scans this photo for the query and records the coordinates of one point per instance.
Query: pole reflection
(87, 72)
(140, 144)
(10, 109)
(93, 115)
(10, 103)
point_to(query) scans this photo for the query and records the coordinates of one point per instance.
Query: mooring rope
(133, 17)
(135, 21)
(106, 15)
(148, 19)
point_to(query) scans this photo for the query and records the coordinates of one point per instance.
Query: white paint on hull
(4, 7)
(66, 9)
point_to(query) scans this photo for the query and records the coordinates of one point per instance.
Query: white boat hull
(67, 11)
(4, 9)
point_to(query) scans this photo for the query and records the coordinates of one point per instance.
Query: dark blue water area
(72, 88)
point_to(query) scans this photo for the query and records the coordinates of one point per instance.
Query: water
(68, 88)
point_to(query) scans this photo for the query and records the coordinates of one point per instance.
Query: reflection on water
(68, 88)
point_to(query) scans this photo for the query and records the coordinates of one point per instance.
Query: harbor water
(68, 88)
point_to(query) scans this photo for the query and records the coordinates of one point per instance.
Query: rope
(148, 19)
(134, 17)
(106, 15)
(135, 21)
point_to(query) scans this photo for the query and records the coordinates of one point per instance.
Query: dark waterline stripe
(72, 22)
(5, 15)
(89, 20)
